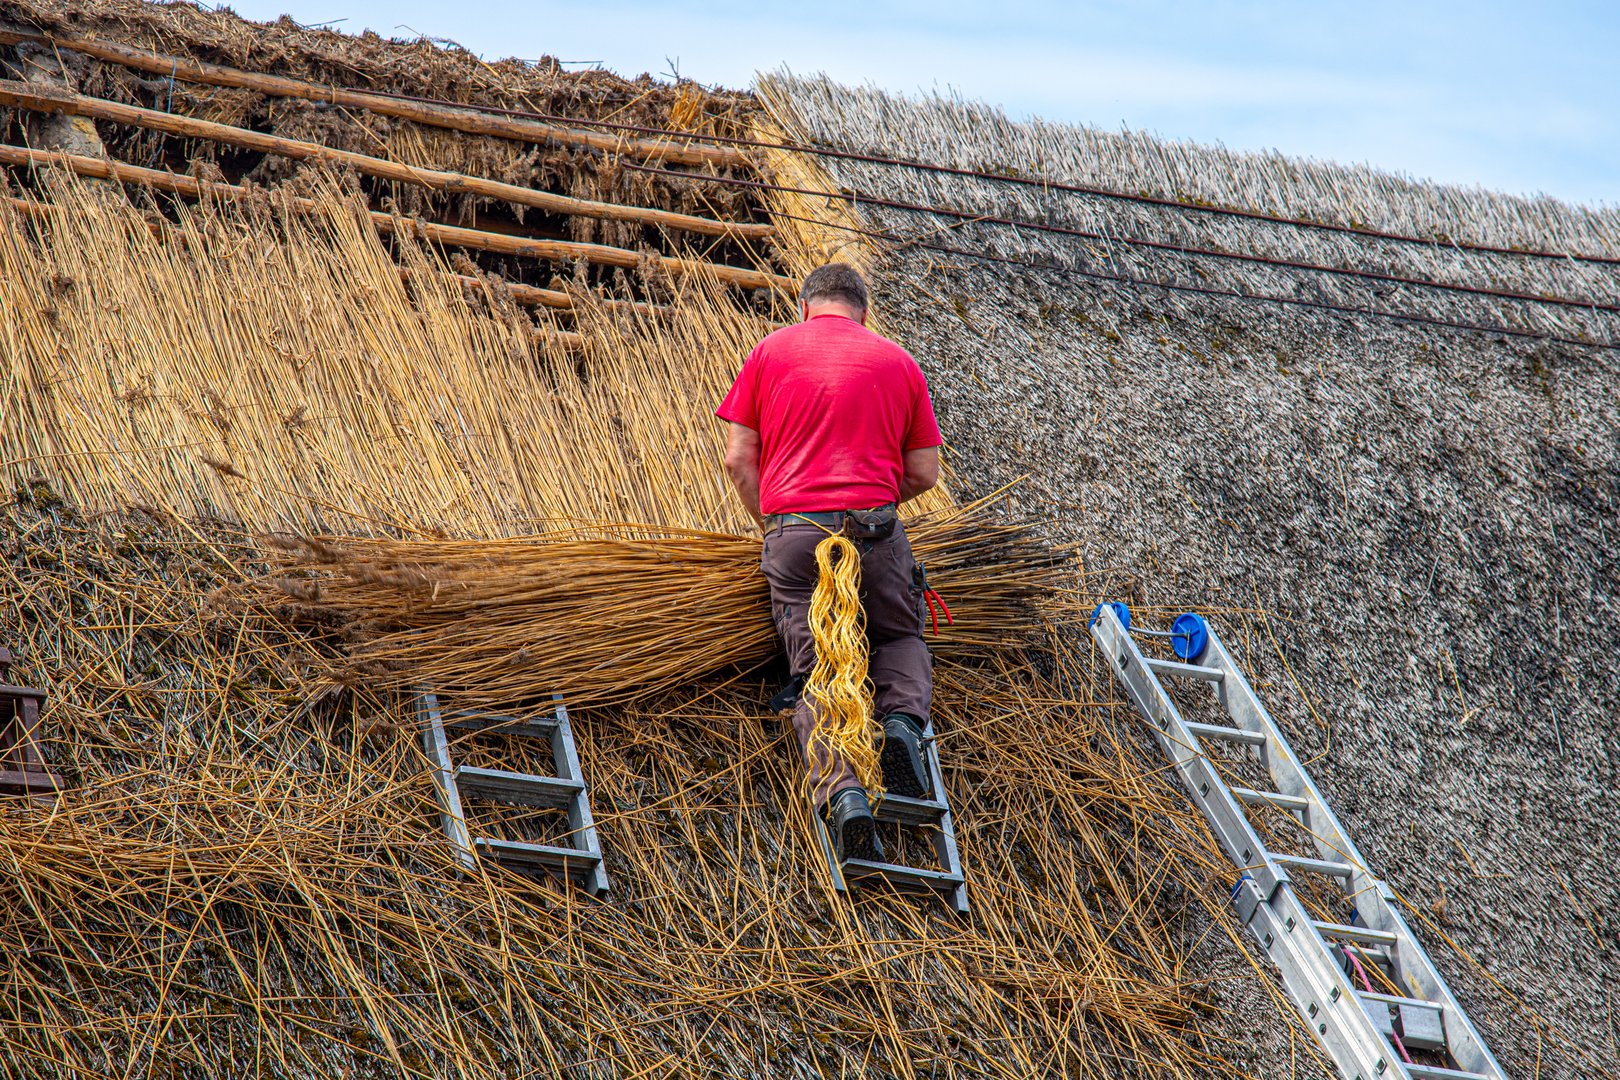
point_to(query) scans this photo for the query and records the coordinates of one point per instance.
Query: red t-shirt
(836, 407)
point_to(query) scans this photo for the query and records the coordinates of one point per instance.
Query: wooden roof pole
(450, 235)
(466, 121)
(52, 100)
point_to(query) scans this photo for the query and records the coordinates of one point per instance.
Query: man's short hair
(835, 281)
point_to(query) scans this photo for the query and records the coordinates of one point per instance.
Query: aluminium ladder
(580, 860)
(932, 813)
(1363, 1031)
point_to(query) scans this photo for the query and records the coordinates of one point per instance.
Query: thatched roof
(1410, 528)
(1382, 513)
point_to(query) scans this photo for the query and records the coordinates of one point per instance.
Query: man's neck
(844, 310)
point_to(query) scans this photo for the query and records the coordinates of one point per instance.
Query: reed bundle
(608, 618)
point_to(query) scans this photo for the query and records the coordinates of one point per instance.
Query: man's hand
(742, 464)
(921, 472)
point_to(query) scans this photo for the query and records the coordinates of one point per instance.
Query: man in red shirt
(828, 417)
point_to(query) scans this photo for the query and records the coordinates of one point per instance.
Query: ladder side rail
(945, 837)
(581, 824)
(1209, 792)
(1289, 778)
(444, 778)
(825, 839)
(29, 758)
(1374, 902)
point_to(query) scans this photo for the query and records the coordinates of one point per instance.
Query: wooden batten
(42, 99)
(467, 121)
(450, 235)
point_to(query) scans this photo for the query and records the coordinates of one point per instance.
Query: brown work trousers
(898, 663)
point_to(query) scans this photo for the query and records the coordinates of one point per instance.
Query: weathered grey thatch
(1409, 531)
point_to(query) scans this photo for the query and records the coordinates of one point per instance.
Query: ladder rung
(1317, 866)
(1230, 734)
(1271, 798)
(908, 811)
(1184, 671)
(558, 859)
(908, 875)
(1361, 935)
(1396, 999)
(525, 789)
(1435, 1072)
(542, 724)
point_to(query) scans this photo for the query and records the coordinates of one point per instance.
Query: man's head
(834, 289)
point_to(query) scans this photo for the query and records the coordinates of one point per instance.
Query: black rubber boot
(902, 758)
(854, 831)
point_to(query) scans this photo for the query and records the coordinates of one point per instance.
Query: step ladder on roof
(932, 813)
(22, 767)
(580, 860)
(1368, 1035)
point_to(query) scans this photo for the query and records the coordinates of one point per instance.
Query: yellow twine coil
(838, 690)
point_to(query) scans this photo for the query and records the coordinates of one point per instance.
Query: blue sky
(1521, 97)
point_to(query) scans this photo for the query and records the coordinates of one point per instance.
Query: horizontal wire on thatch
(951, 139)
(452, 115)
(617, 616)
(976, 218)
(901, 243)
(811, 110)
(32, 97)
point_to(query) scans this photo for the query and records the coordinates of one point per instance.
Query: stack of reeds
(614, 618)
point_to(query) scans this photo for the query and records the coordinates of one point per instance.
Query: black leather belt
(827, 519)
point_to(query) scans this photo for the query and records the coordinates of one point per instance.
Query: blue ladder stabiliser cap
(1120, 609)
(1189, 636)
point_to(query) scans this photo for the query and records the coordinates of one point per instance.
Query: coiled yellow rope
(838, 689)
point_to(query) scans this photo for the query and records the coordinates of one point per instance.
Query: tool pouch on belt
(875, 524)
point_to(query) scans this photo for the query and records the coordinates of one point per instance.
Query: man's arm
(742, 464)
(921, 472)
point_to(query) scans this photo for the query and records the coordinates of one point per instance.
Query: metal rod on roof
(1205, 290)
(1132, 241)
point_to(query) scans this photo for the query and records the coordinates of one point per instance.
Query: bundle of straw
(606, 619)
